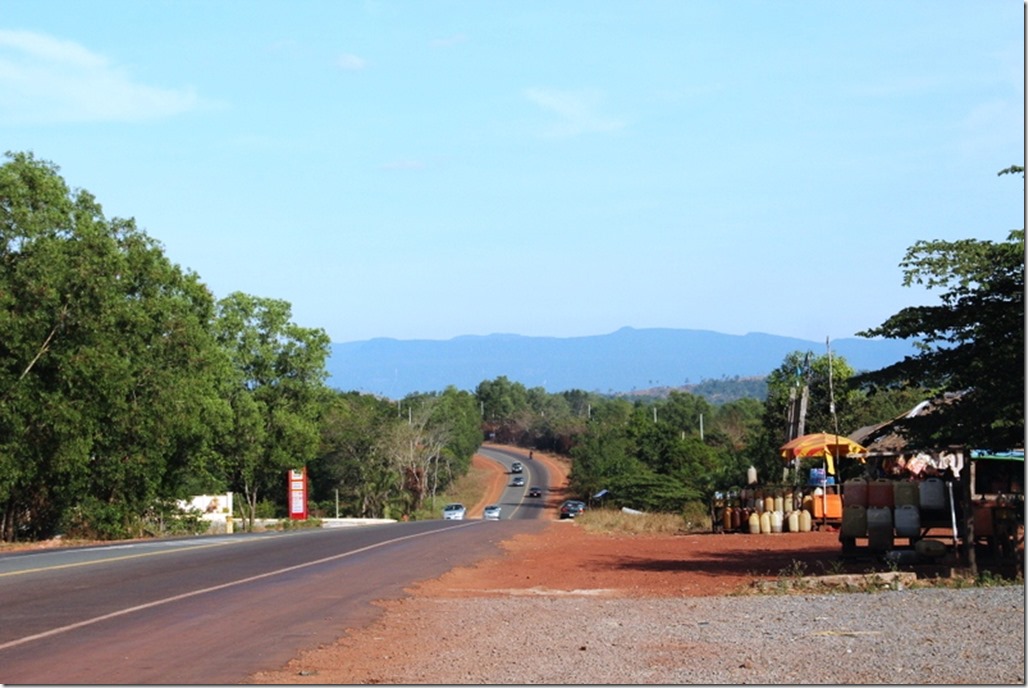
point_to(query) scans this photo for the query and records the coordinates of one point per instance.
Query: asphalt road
(213, 610)
(514, 504)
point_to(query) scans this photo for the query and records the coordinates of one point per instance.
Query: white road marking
(194, 593)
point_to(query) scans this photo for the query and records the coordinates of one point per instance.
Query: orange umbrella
(822, 444)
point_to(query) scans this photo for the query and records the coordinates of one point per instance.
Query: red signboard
(297, 487)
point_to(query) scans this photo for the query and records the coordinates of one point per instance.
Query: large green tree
(108, 368)
(277, 393)
(352, 463)
(972, 342)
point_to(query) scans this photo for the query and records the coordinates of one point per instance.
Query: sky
(432, 168)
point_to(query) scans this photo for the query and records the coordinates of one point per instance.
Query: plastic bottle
(765, 523)
(754, 523)
(794, 521)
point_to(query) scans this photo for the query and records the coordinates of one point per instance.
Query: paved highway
(216, 609)
(515, 504)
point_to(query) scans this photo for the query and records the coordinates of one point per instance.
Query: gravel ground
(922, 636)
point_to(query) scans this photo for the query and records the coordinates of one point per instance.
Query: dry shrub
(619, 523)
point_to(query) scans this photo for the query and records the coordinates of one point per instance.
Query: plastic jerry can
(879, 492)
(854, 521)
(932, 494)
(754, 523)
(854, 491)
(879, 527)
(908, 521)
(905, 492)
(765, 523)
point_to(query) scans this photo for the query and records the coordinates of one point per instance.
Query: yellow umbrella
(822, 444)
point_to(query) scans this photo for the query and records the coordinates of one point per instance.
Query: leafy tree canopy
(972, 342)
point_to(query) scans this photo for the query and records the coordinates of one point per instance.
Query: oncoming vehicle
(453, 512)
(535, 491)
(518, 482)
(571, 508)
(517, 467)
(492, 512)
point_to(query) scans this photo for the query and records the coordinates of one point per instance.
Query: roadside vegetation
(616, 522)
(125, 385)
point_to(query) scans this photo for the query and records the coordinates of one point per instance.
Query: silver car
(453, 512)
(492, 512)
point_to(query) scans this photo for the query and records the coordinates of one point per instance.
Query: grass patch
(619, 523)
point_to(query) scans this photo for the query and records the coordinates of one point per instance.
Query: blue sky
(428, 169)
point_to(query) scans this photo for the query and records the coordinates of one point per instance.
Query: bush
(93, 519)
(696, 516)
(617, 522)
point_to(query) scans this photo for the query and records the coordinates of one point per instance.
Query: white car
(492, 512)
(453, 512)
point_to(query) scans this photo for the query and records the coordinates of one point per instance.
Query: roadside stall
(825, 500)
(810, 500)
(949, 504)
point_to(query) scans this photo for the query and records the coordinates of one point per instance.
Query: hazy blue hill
(618, 362)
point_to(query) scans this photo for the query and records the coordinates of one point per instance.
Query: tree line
(125, 385)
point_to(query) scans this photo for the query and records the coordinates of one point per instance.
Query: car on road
(518, 481)
(535, 491)
(571, 508)
(517, 467)
(492, 512)
(454, 512)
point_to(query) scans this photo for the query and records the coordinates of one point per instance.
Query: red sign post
(297, 486)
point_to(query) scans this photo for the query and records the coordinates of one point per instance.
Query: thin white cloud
(577, 111)
(351, 63)
(47, 80)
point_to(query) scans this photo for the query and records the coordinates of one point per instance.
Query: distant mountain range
(624, 361)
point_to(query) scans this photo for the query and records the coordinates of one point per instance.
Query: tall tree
(277, 395)
(972, 342)
(351, 462)
(108, 369)
(415, 445)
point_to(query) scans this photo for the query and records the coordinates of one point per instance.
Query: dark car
(535, 491)
(571, 508)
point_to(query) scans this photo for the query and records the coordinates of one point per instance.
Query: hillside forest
(125, 385)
